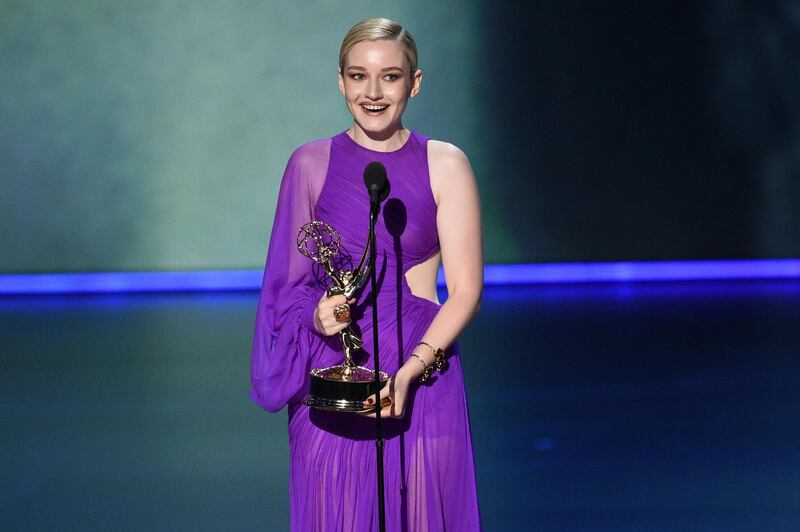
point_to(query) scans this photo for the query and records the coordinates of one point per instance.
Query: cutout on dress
(421, 278)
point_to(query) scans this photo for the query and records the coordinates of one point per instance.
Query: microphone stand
(373, 215)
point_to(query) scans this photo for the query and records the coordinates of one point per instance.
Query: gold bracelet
(439, 362)
(424, 365)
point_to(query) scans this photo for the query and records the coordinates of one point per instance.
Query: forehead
(379, 54)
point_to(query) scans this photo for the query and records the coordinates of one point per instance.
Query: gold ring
(341, 313)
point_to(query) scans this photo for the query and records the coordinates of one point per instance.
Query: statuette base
(344, 389)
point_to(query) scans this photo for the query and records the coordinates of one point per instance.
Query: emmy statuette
(344, 387)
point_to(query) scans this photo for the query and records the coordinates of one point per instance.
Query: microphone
(378, 187)
(377, 184)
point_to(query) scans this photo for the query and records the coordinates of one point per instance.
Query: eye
(391, 77)
(356, 76)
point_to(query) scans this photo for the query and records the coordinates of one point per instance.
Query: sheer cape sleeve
(284, 339)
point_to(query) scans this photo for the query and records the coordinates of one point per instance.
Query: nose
(374, 91)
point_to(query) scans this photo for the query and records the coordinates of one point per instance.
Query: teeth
(375, 107)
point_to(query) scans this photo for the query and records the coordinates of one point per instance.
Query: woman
(431, 215)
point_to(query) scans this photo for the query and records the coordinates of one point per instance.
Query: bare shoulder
(445, 155)
(448, 166)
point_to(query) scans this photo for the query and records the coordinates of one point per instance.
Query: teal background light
(151, 136)
(147, 135)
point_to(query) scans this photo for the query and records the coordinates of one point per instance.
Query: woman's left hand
(396, 390)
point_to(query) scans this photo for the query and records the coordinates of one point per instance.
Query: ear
(416, 83)
(341, 81)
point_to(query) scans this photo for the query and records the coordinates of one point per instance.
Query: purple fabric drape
(283, 337)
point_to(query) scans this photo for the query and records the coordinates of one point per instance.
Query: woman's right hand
(324, 320)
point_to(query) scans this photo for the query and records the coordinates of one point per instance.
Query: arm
(458, 222)
(283, 337)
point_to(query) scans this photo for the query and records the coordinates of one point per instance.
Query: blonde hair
(374, 29)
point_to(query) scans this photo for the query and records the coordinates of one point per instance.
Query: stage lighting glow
(497, 274)
(590, 272)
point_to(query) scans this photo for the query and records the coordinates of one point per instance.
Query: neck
(380, 141)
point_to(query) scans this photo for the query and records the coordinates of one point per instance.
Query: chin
(377, 127)
(375, 130)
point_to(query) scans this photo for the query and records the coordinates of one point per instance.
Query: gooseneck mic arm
(378, 188)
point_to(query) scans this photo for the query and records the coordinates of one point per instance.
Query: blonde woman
(431, 216)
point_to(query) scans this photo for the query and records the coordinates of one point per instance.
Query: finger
(386, 391)
(330, 326)
(386, 412)
(338, 299)
(339, 326)
(370, 401)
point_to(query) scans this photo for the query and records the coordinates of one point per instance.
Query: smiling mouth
(372, 109)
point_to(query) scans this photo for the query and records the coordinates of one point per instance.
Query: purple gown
(429, 468)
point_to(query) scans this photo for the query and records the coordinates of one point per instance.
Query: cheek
(349, 90)
(400, 94)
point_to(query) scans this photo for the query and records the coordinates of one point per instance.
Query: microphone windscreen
(376, 181)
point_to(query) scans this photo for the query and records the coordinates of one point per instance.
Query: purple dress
(429, 468)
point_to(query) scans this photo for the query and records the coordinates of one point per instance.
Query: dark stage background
(644, 130)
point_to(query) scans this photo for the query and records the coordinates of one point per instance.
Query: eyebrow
(382, 70)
